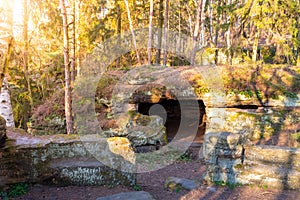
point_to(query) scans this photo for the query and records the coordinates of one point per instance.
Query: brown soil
(153, 182)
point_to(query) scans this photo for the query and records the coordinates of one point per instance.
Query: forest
(43, 43)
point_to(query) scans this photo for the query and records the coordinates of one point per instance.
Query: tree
(68, 97)
(196, 31)
(6, 48)
(26, 50)
(166, 21)
(150, 31)
(160, 25)
(132, 32)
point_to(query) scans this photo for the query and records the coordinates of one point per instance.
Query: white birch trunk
(5, 105)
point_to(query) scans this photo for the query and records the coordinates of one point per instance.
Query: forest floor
(153, 182)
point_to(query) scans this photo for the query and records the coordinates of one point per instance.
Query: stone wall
(65, 160)
(254, 138)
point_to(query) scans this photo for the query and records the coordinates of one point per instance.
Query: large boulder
(140, 129)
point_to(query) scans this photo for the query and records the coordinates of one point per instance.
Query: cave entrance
(171, 112)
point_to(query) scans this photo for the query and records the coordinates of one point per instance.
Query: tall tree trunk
(77, 19)
(119, 28)
(211, 22)
(7, 40)
(298, 39)
(179, 28)
(132, 31)
(160, 25)
(68, 97)
(202, 21)
(26, 50)
(255, 46)
(73, 43)
(166, 21)
(217, 33)
(196, 31)
(228, 38)
(150, 32)
(5, 104)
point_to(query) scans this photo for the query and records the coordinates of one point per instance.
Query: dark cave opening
(170, 111)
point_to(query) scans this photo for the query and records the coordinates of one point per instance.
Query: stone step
(269, 175)
(273, 155)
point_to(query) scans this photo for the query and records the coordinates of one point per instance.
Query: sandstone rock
(65, 159)
(141, 130)
(175, 183)
(140, 195)
(121, 146)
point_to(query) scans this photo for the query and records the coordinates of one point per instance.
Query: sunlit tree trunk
(26, 50)
(132, 32)
(73, 42)
(68, 98)
(160, 25)
(202, 21)
(119, 29)
(211, 21)
(196, 31)
(217, 32)
(150, 32)
(5, 104)
(77, 19)
(166, 21)
(298, 39)
(6, 41)
(255, 46)
(228, 38)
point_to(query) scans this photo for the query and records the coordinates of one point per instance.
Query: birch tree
(6, 47)
(132, 31)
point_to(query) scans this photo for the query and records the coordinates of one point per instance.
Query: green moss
(142, 119)
(239, 166)
(296, 136)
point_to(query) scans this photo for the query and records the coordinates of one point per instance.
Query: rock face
(247, 108)
(64, 160)
(2, 131)
(252, 130)
(140, 130)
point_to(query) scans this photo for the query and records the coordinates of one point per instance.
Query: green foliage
(186, 157)
(247, 92)
(296, 136)
(137, 187)
(276, 21)
(14, 191)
